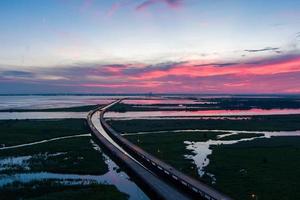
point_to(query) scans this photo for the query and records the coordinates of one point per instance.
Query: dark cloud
(150, 68)
(17, 74)
(278, 24)
(162, 77)
(273, 59)
(217, 64)
(261, 50)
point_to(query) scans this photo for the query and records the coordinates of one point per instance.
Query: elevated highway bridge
(163, 180)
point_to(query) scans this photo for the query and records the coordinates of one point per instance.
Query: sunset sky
(140, 46)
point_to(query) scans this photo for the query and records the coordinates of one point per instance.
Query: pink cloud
(86, 5)
(142, 6)
(113, 9)
(116, 6)
(191, 69)
(123, 85)
(271, 75)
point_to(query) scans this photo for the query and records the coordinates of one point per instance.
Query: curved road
(160, 178)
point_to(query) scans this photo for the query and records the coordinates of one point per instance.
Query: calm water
(113, 177)
(161, 101)
(201, 150)
(43, 102)
(42, 115)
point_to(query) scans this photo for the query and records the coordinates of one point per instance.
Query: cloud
(86, 5)
(148, 3)
(192, 69)
(117, 6)
(272, 59)
(51, 77)
(17, 74)
(217, 64)
(261, 50)
(142, 6)
(150, 68)
(113, 9)
(280, 73)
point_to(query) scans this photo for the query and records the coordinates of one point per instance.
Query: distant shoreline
(155, 94)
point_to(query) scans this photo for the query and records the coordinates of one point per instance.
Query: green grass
(14, 132)
(256, 123)
(268, 168)
(79, 157)
(51, 190)
(170, 147)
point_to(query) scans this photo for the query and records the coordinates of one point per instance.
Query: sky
(158, 46)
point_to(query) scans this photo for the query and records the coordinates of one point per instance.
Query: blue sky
(52, 38)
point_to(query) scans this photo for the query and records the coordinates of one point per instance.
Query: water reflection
(44, 102)
(42, 115)
(160, 101)
(113, 177)
(201, 150)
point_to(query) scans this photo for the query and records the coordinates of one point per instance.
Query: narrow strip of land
(44, 141)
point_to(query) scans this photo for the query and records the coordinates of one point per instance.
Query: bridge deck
(161, 189)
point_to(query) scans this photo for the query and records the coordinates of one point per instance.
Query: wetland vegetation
(14, 132)
(260, 166)
(68, 156)
(268, 168)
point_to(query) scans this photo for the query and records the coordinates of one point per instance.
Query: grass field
(78, 152)
(14, 132)
(77, 157)
(67, 156)
(170, 147)
(268, 168)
